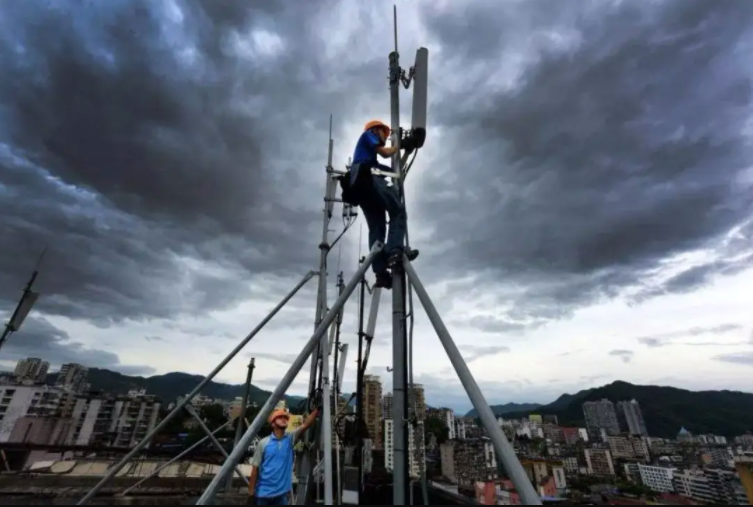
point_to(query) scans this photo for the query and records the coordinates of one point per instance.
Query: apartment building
(474, 460)
(417, 400)
(372, 408)
(630, 418)
(387, 404)
(72, 377)
(600, 415)
(628, 447)
(695, 484)
(599, 462)
(117, 421)
(18, 401)
(389, 451)
(659, 479)
(33, 369)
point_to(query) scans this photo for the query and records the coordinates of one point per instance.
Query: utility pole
(320, 355)
(242, 416)
(399, 338)
(359, 388)
(26, 303)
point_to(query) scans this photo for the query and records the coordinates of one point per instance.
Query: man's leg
(396, 235)
(374, 213)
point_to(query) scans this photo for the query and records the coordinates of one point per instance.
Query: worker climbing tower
(316, 459)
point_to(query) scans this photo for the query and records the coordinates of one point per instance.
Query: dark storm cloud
(620, 144)
(134, 134)
(40, 338)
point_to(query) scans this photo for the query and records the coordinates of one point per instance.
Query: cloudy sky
(582, 204)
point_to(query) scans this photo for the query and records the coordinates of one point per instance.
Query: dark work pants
(375, 202)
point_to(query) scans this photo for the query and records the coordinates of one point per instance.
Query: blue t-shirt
(366, 146)
(273, 459)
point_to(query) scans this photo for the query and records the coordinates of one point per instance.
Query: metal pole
(359, 390)
(182, 403)
(399, 350)
(288, 379)
(376, 295)
(304, 468)
(214, 441)
(176, 458)
(326, 420)
(242, 415)
(501, 445)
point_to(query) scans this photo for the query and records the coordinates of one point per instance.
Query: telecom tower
(325, 341)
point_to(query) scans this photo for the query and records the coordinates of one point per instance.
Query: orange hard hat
(376, 123)
(277, 414)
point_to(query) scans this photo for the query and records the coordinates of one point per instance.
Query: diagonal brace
(503, 448)
(213, 439)
(208, 495)
(176, 458)
(113, 470)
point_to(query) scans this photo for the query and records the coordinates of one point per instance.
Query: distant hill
(665, 409)
(507, 408)
(170, 386)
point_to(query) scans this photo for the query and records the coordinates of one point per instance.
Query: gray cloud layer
(620, 144)
(39, 338)
(168, 157)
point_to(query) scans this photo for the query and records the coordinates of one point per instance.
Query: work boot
(396, 258)
(383, 280)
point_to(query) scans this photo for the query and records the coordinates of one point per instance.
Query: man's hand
(251, 500)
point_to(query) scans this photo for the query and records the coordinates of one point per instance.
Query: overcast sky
(582, 203)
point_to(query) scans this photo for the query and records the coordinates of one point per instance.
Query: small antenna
(394, 16)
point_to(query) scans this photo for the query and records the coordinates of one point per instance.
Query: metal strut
(186, 400)
(208, 496)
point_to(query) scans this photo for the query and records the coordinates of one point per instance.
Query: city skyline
(573, 230)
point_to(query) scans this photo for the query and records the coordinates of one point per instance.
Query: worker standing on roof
(271, 479)
(375, 197)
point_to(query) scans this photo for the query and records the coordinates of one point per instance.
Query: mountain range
(665, 409)
(171, 386)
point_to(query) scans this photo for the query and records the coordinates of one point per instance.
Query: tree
(435, 426)
(213, 415)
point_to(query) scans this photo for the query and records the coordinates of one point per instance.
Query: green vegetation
(435, 426)
(173, 385)
(665, 409)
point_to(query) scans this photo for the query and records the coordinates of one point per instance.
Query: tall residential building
(72, 377)
(630, 418)
(117, 421)
(389, 451)
(372, 408)
(387, 404)
(17, 402)
(416, 398)
(600, 415)
(33, 369)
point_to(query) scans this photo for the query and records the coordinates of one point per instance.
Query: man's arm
(386, 151)
(255, 465)
(307, 423)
